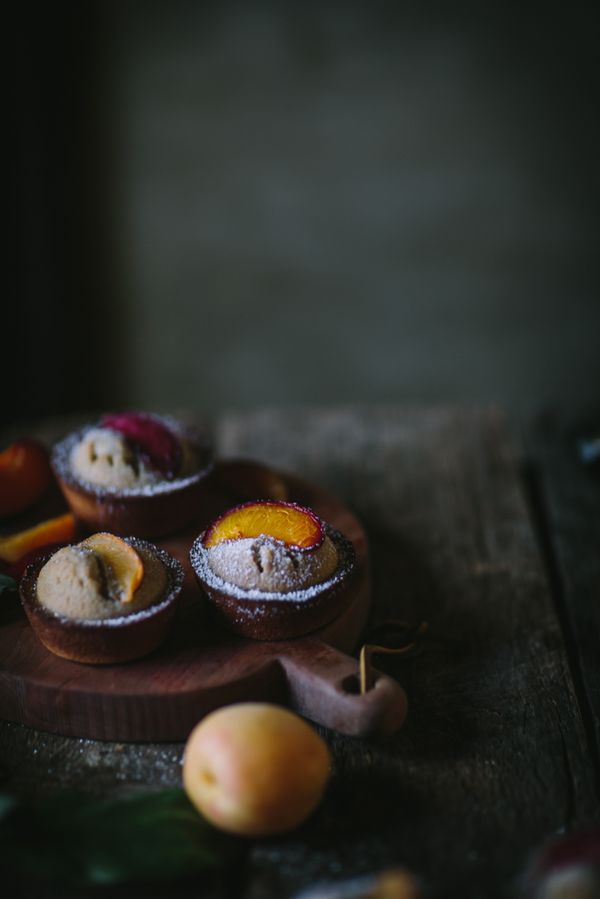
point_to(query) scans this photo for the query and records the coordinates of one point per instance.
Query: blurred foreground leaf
(81, 840)
(7, 584)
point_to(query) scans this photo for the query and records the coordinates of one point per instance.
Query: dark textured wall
(349, 202)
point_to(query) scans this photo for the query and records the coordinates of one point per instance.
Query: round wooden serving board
(200, 666)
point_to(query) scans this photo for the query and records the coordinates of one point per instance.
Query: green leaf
(80, 840)
(7, 583)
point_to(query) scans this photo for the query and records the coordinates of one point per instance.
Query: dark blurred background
(231, 204)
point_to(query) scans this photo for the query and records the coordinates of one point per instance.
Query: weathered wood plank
(493, 758)
(568, 493)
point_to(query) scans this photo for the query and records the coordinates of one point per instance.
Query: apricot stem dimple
(208, 777)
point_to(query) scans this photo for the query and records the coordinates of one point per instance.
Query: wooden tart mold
(260, 615)
(150, 511)
(108, 640)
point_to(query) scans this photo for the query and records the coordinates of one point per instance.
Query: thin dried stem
(367, 651)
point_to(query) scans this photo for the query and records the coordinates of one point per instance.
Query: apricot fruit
(24, 476)
(156, 444)
(122, 561)
(56, 530)
(293, 524)
(255, 769)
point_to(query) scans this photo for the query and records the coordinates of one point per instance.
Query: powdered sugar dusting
(266, 563)
(62, 452)
(175, 576)
(201, 563)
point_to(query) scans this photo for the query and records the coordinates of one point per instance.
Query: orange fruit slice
(121, 559)
(294, 525)
(55, 530)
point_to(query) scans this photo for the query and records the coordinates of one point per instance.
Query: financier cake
(134, 473)
(273, 570)
(104, 600)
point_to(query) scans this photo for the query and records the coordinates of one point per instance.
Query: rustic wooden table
(494, 539)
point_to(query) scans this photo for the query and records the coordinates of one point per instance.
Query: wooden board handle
(324, 686)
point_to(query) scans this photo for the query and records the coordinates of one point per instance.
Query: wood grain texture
(494, 757)
(567, 494)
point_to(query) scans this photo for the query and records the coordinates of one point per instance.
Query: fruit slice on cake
(58, 530)
(121, 559)
(156, 444)
(294, 525)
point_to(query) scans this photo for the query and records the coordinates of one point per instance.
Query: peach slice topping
(158, 446)
(293, 524)
(121, 559)
(55, 530)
